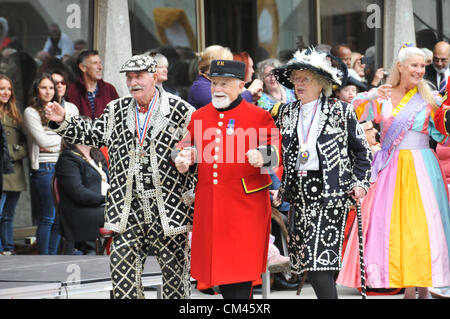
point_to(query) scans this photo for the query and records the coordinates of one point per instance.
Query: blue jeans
(8, 205)
(47, 235)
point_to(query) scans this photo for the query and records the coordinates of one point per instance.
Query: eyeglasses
(304, 80)
(60, 82)
(444, 60)
(268, 75)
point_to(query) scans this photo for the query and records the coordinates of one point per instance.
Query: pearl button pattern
(319, 201)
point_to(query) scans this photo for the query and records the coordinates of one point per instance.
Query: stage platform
(37, 276)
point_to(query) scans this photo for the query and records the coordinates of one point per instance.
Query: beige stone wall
(398, 28)
(113, 40)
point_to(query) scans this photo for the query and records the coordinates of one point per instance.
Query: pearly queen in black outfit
(325, 156)
(149, 203)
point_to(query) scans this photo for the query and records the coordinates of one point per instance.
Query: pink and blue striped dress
(407, 238)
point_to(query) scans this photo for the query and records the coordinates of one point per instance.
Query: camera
(367, 60)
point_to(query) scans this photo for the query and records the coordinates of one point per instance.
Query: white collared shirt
(308, 112)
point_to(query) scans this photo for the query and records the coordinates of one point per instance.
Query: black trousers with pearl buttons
(316, 233)
(130, 249)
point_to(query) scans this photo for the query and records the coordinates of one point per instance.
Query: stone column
(113, 40)
(398, 28)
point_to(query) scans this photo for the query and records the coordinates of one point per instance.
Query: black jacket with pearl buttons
(344, 154)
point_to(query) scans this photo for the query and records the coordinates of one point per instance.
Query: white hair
(261, 66)
(394, 76)
(408, 52)
(160, 60)
(428, 53)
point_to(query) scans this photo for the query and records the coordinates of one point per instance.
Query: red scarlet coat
(232, 207)
(443, 154)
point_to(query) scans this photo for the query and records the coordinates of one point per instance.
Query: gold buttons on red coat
(220, 124)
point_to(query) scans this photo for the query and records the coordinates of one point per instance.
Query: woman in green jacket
(13, 184)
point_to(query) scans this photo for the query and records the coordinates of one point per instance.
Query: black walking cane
(361, 251)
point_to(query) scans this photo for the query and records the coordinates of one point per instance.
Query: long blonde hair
(213, 52)
(10, 108)
(423, 87)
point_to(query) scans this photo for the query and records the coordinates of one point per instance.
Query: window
(168, 27)
(24, 33)
(430, 23)
(351, 22)
(284, 26)
(358, 25)
(263, 28)
(445, 21)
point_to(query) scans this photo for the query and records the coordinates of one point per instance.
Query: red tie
(143, 109)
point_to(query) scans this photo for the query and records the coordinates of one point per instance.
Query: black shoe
(208, 291)
(257, 290)
(280, 283)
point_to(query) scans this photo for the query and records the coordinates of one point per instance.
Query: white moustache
(136, 87)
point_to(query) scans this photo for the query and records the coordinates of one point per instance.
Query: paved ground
(307, 293)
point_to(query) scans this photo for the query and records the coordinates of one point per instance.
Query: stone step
(23, 232)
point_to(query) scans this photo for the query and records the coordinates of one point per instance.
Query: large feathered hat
(313, 60)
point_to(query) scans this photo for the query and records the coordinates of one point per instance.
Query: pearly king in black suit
(345, 162)
(319, 170)
(147, 205)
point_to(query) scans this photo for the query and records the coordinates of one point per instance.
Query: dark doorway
(233, 24)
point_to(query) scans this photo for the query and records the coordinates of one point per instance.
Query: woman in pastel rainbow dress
(407, 239)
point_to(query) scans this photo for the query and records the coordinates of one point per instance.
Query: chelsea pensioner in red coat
(235, 142)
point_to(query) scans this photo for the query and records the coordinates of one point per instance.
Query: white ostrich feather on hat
(318, 60)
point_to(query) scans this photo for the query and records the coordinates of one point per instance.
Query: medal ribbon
(142, 132)
(305, 141)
